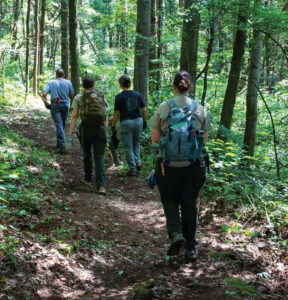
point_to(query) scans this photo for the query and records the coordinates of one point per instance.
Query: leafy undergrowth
(28, 176)
(246, 185)
(61, 240)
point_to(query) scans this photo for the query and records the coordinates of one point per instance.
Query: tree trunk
(153, 47)
(181, 4)
(2, 63)
(141, 59)
(27, 48)
(209, 53)
(42, 26)
(110, 33)
(233, 78)
(65, 37)
(23, 18)
(1, 15)
(159, 42)
(189, 42)
(268, 55)
(252, 92)
(16, 11)
(36, 47)
(73, 41)
(124, 38)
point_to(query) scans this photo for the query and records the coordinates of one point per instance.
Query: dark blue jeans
(59, 114)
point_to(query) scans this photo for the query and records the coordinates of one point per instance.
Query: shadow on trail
(99, 247)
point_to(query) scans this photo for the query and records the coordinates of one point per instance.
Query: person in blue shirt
(60, 90)
(129, 105)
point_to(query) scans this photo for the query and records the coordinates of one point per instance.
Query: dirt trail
(110, 244)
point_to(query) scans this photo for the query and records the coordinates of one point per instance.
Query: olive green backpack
(92, 108)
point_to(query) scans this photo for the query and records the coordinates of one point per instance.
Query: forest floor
(114, 247)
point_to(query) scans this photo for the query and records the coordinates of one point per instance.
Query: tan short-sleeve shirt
(159, 119)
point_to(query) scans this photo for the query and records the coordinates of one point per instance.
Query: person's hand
(144, 125)
(113, 129)
(70, 140)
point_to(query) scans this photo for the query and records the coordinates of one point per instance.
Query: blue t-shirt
(60, 88)
(128, 103)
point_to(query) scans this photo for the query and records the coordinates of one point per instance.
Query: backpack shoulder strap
(192, 106)
(171, 103)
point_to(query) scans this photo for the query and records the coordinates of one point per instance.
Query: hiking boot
(62, 151)
(138, 167)
(131, 173)
(86, 181)
(177, 242)
(191, 255)
(101, 190)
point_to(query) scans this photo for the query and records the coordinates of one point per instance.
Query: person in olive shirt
(128, 105)
(180, 182)
(91, 136)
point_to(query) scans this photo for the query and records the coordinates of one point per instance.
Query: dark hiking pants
(179, 189)
(94, 137)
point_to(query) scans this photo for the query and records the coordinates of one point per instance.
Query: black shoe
(131, 173)
(138, 167)
(191, 255)
(87, 182)
(177, 243)
(62, 151)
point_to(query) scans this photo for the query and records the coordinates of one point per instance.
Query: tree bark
(159, 42)
(36, 46)
(16, 12)
(252, 92)
(2, 15)
(42, 27)
(209, 53)
(141, 59)
(65, 37)
(73, 41)
(153, 47)
(95, 50)
(110, 33)
(233, 78)
(189, 42)
(2, 62)
(27, 48)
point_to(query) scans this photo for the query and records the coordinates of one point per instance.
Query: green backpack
(92, 108)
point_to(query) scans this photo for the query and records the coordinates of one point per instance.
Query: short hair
(125, 81)
(60, 73)
(88, 82)
(182, 81)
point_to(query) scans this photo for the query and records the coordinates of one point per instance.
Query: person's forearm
(72, 125)
(155, 135)
(115, 118)
(44, 95)
(144, 114)
(205, 137)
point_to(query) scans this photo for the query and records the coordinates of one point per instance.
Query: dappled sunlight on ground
(93, 247)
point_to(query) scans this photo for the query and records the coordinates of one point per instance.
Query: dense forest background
(236, 52)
